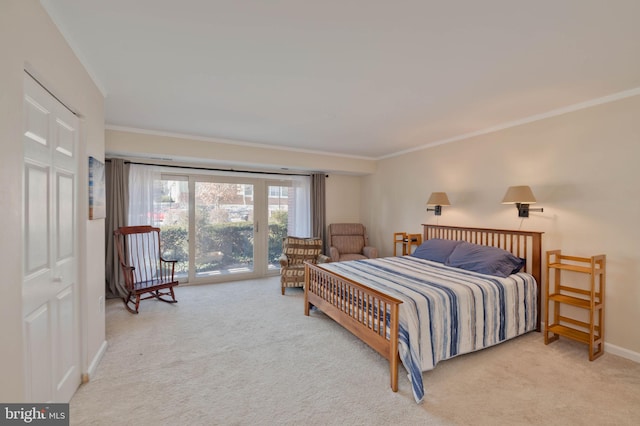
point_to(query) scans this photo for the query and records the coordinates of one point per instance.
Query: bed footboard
(367, 313)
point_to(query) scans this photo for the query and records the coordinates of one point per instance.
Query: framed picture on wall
(97, 196)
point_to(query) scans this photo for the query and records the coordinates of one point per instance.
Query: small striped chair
(296, 251)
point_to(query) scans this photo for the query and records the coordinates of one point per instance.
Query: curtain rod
(213, 169)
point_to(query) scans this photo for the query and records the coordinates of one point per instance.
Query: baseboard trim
(624, 353)
(94, 363)
(614, 350)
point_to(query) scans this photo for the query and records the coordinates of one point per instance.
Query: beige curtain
(319, 209)
(117, 194)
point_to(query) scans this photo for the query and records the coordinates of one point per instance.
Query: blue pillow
(484, 259)
(435, 249)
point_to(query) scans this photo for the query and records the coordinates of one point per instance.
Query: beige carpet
(241, 354)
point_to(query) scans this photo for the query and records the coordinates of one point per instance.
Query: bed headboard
(525, 244)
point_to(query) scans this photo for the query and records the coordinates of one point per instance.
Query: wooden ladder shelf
(585, 294)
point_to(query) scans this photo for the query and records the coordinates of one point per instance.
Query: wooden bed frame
(347, 302)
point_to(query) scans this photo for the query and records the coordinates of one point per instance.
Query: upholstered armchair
(295, 252)
(349, 241)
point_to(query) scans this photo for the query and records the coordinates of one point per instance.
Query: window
(212, 224)
(278, 191)
(245, 190)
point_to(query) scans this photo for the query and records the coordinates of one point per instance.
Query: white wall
(583, 169)
(135, 143)
(343, 198)
(28, 39)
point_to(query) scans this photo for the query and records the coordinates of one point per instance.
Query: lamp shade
(519, 195)
(438, 199)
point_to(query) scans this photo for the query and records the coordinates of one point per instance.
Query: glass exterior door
(278, 213)
(217, 227)
(171, 215)
(224, 228)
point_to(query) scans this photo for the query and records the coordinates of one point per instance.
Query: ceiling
(364, 78)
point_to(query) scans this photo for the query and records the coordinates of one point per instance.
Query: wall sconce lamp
(438, 199)
(521, 196)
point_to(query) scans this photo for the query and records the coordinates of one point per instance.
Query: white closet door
(50, 288)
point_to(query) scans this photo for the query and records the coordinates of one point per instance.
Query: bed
(419, 311)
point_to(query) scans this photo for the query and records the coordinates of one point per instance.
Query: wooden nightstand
(407, 241)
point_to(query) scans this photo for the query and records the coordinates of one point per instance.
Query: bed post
(536, 271)
(306, 289)
(394, 356)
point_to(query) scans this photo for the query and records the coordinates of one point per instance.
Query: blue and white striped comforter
(446, 311)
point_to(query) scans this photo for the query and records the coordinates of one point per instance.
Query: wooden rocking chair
(144, 269)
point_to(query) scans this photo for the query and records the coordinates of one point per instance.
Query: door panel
(65, 231)
(37, 218)
(65, 138)
(38, 354)
(66, 361)
(36, 121)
